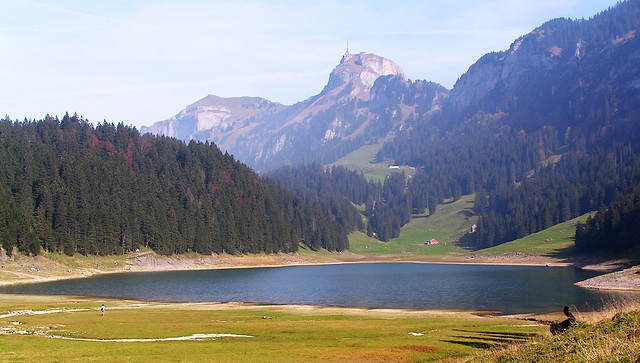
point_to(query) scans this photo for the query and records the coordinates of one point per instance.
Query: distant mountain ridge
(216, 119)
(342, 117)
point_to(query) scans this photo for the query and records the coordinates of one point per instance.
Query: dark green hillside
(616, 228)
(554, 134)
(387, 206)
(66, 186)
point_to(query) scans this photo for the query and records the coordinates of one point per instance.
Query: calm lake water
(506, 289)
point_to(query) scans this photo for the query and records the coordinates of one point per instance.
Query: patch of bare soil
(420, 348)
(152, 261)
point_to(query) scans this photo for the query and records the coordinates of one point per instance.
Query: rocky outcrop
(216, 119)
(544, 49)
(362, 70)
(153, 261)
(628, 279)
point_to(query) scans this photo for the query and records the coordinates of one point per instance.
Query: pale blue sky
(143, 61)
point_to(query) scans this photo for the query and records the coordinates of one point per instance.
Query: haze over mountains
(541, 76)
(542, 132)
(348, 112)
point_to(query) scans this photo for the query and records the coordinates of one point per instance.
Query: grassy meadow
(74, 329)
(450, 226)
(450, 222)
(62, 328)
(363, 159)
(556, 241)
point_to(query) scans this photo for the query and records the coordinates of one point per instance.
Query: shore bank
(625, 280)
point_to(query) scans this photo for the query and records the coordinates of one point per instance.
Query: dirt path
(189, 337)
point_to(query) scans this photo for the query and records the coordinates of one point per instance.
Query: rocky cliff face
(538, 51)
(544, 56)
(265, 134)
(362, 70)
(216, 119)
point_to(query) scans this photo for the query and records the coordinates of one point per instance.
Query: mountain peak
(363, 68)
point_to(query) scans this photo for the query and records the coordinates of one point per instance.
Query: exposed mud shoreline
(25, 269)
(627, 279)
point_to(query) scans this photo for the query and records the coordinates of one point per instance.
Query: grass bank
(603, 339)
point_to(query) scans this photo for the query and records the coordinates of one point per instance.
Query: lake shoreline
(27, 270)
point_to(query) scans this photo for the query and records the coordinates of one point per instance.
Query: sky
(142, 61)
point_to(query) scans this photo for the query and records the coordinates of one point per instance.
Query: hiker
(102, 309)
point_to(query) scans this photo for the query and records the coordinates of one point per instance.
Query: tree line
(613, 229)
(66, 186)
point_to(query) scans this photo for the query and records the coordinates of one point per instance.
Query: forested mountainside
(66, 186)
(387, 206)
(542, 133)
(545, 131)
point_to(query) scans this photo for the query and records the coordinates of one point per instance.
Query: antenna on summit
(346, 55)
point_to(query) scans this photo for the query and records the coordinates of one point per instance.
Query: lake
(505, 289)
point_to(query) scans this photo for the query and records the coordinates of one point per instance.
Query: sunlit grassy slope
(450, 225)
(556, 241)
(450, 222)
(363, 159)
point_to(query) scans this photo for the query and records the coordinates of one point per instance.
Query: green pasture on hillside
(363, 159)
(450, 225)
(450, 222)
(556, 241)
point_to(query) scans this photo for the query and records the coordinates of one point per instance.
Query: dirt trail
(189, 337)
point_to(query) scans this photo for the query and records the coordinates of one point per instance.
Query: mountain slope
(351, 109)
(542, 133)
(545, 131)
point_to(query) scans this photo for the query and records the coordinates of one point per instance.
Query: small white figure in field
(102, 309)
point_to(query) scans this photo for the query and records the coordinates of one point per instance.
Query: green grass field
(290, 333)
(363, 159)
(556, 241)
(450, 222)
(450, 225)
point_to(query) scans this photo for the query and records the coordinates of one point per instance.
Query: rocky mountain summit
(362, 70)
(352, 108)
